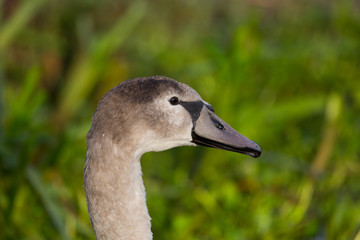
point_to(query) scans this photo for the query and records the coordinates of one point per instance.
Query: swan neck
(115, 192)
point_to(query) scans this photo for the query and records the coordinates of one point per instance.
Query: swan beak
(211, 131)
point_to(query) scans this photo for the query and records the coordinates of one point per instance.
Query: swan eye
(174, 101)
(220, 126)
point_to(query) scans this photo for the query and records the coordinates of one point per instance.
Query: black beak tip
(256, 152)
(253, 152)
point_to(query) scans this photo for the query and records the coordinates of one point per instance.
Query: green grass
(285, 74)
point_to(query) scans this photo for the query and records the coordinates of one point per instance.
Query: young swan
(135, 117)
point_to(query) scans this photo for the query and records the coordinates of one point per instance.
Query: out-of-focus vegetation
(284, 73)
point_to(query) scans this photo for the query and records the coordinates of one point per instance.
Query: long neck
(115, 192)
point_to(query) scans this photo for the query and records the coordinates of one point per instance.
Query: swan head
(157, 113)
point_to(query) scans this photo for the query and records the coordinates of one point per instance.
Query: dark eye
(220, 126)
(174, 101)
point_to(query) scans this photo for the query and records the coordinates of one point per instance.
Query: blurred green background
(284, 73)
